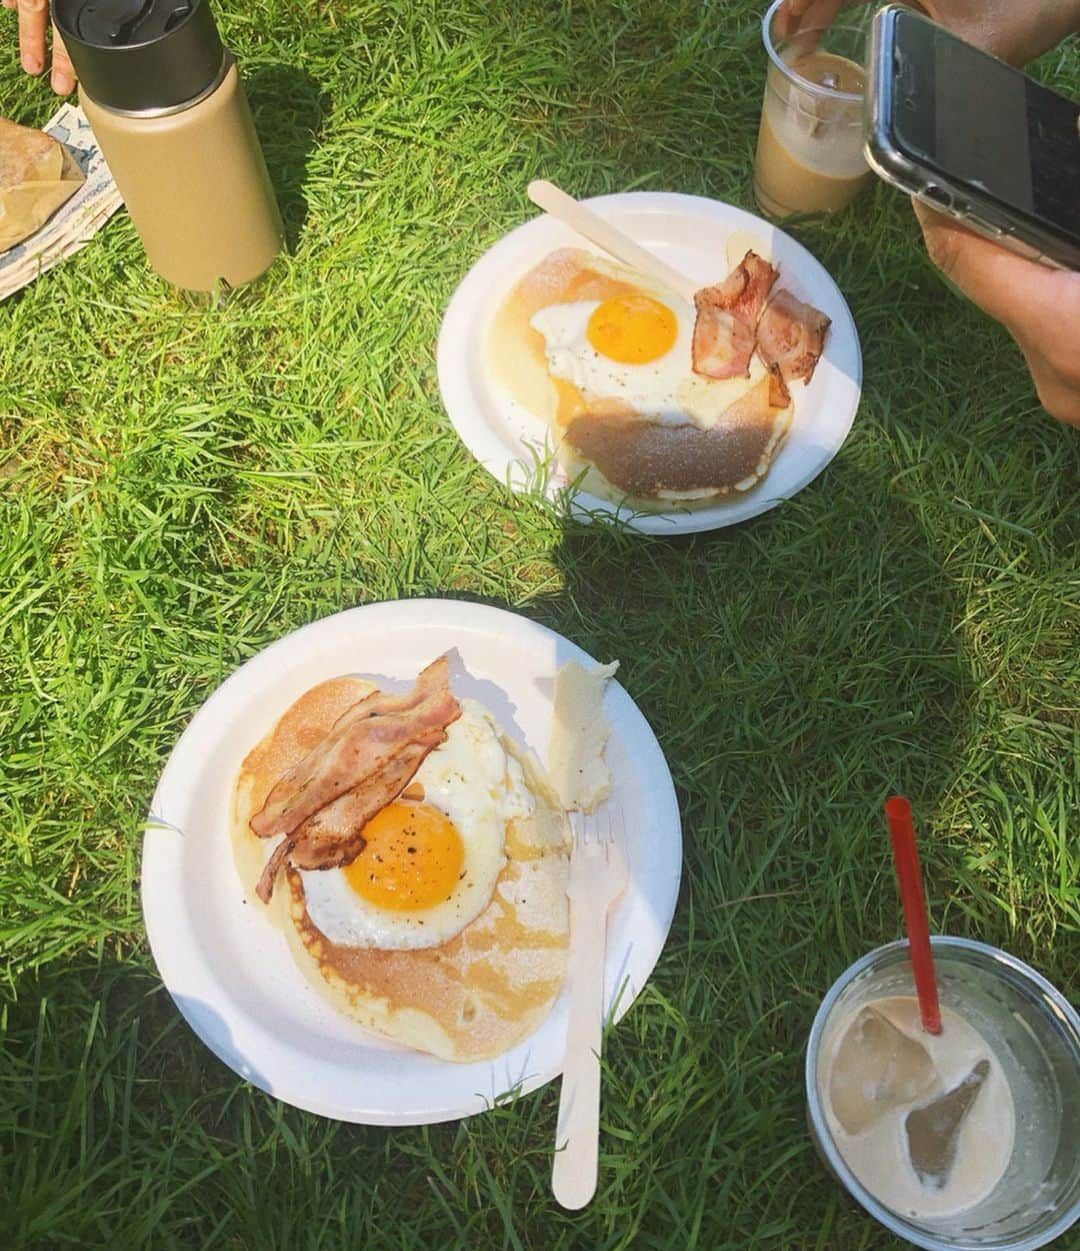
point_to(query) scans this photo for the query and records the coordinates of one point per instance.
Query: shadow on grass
(819, 690)
(290, 108)
(791, 694)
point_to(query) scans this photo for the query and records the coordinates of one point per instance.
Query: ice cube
(877, 1068)
(933, 1129)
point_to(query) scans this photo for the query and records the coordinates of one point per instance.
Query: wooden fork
(598, 876)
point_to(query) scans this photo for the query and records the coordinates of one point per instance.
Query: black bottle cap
(141, 55)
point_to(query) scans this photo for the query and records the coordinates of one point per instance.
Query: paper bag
(37, 174)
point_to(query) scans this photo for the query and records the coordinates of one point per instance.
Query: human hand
(1039, 307)
(1015, 30)
(33, 19)
(795, 15)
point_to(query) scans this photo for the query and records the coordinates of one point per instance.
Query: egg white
(479, 787)
(665, 390)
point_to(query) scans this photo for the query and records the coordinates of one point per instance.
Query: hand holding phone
(1040, 307)
(974, 138)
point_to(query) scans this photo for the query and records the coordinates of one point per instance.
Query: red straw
(909, 876)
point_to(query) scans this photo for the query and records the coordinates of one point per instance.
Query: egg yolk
(632, 329)
(413, 858)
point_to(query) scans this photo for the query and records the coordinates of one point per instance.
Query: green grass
(182, 486)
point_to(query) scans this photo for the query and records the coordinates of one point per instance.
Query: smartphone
(974, 138)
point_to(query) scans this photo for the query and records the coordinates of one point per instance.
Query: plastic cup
(810, 140)
(1035, 1035)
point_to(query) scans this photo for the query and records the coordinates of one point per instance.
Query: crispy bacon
(361, 742)
(727, 317)
(265, 887)
(335, 836)
(779, 395)
(791, 335)
(367, 759)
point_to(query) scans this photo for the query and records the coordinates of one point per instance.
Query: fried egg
(634, 348)
(428, 868)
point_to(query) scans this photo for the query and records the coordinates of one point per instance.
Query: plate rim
(158, 857)
(458, 395)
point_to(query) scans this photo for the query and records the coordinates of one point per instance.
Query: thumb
(787, 17)
(63, 72)
(1009, 288)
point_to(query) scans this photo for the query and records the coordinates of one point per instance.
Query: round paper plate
(690, 233)
(230, 970)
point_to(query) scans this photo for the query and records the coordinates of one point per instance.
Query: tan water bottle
(166, 105)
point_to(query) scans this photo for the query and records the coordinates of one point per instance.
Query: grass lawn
(179, 487)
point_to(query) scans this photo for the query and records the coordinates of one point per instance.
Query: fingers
(1057, 396)
(33, 16)
(1012, 290)
(63, 72)
(1056, 380)
(796, 16)
(1039, 307)
(33, 19)
(787, 16)
(819, 13)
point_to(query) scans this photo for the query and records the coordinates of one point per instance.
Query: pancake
(618, 450)
(649, 461)
(471, 998)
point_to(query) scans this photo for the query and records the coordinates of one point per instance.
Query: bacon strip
(791, 336)
(779, 395)
(360, 744)
(727, 318)
(335, 836)
(265, 887)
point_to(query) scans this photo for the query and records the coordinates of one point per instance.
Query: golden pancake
(477, 994)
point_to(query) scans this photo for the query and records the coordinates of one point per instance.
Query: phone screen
(982, 123)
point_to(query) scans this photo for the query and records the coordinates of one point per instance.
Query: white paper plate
(690, 233)
(230, 971)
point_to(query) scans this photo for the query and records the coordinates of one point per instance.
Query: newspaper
(76, 222)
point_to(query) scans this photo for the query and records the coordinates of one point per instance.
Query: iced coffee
(958, 1140)
(809, 153)
(924, 1121)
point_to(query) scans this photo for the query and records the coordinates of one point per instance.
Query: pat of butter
(739, 242)
(578, 736)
